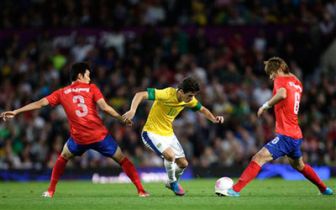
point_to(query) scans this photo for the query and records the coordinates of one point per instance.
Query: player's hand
(128, 122)
(219, 119)
(260, 111)
(128, 115)
(7, 115)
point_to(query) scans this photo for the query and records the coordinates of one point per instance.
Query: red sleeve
(96, 93)
(54, 98)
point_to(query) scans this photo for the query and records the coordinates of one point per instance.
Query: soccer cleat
(176, 188)
(143, 194)
(231, 193)
(328, 191)
(48, 194)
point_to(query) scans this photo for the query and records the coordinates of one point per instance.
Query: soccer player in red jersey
(80, 100)
(286, 101)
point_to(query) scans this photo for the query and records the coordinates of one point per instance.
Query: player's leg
(181, 165)
(160, 145)
(129, 169)
(252, 170)
(180, 160)
(296, 161)
(173, 171)
(310, 174)
(109, 148)
(169, 164)
(271, 151)
(58, 169)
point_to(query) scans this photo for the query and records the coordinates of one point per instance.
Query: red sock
(249, 173)
(131, 172)
(57, 172)
(310, 174)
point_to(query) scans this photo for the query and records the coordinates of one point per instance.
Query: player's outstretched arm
(29, 107)
(279, 96)
(109, 110)
(138, 98)
(210, 116)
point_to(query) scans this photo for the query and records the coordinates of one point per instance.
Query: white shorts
(158, 143)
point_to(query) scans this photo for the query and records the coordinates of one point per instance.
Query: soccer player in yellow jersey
(158, 132)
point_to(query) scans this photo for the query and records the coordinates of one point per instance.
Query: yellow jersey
(165, 109)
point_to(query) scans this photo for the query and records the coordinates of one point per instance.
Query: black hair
(189, 84)
(78, 68)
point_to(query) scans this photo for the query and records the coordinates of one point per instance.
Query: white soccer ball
(222, 185)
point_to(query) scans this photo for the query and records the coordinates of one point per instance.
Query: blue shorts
(106, 147)
(284, 145)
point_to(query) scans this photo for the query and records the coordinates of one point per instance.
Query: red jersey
(79, 102)
(286, 111)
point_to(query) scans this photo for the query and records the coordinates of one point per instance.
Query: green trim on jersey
(151, 93)
(197, 107)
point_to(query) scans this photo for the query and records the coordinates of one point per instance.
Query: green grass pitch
(272, 194)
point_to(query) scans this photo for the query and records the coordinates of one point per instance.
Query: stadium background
(132, 45)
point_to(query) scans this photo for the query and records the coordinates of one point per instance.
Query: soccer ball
(222, 185)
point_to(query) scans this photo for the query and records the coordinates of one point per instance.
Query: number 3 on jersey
(83, 109)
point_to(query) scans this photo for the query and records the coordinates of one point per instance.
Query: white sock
(178, 172)
(170, 169)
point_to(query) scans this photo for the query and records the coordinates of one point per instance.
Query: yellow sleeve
(194, 104)
(159, 94)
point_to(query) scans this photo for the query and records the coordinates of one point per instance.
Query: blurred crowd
(125, 13)
(160, 53)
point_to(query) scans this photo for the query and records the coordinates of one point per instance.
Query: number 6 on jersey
(296, 102)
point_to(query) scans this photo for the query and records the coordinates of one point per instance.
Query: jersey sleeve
(54, 98)
(97, 94)
(194, 104)
(158, 94)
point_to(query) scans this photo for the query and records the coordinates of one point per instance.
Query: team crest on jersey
(158, 145)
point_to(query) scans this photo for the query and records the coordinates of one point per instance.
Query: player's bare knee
(297, 164)
(298, 167)
(169, 157)
(293, 164)
(118, 155)
(257, 158)
(183, 164)
(66, 155)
